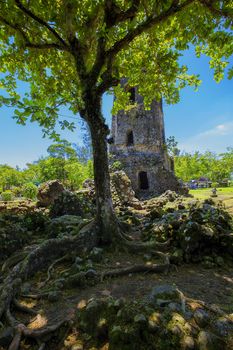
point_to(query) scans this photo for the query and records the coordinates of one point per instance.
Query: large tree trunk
(106, 218)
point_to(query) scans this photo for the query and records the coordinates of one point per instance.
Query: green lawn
(225, 195)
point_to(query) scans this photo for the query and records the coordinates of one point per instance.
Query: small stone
(96, 254)
(78, 260)
(115, 334)
(174, 306)
(164, 294)
(201, 317)
(219, 261)
(176, 330)
(208, 341)
(223, 326)
(188, 343)
(140, 318)
(77, 346)
(154, 322)
(91, 273)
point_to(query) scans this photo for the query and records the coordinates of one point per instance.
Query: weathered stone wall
(143, 151)
(147, 128)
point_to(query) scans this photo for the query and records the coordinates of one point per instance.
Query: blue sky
(202, 120)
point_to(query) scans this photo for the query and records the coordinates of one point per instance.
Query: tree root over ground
(46, 256)
(38, 259)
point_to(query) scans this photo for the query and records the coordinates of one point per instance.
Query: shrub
(7, 195)
(117, 165)
(30, 190)
(17, 191)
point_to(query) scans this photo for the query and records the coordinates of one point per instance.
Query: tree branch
(44, 46)
(113, 14)
(109, 82)
(146, 25)
(27, 42)
(216, 12)
(16, 27)
(39, 20)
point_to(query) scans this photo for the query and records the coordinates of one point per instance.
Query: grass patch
(225, 195)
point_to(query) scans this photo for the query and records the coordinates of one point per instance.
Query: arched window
(143, 180)
(132, 96)
(129, 138)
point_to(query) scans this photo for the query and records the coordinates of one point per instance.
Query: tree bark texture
(106, 218)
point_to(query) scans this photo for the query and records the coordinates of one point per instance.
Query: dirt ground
(212, 286)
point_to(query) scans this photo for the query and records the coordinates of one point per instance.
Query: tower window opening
(143, 180)
(129, 138)
(132, 96)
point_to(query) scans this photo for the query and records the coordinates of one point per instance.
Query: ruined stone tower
(138, 141)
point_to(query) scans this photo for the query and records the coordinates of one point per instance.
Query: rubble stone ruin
(138, 142)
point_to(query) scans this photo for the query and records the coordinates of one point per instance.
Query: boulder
(164, 295)
(48, 192)
(201, 317)
(67, 203)
(64, 225)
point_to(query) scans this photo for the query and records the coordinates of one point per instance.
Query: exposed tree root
(21, 330)
(14, 259)
(38, 259)
(138, 247)
(34, 296)
(23, 308)
(136, 269)
(53, 251)
(65, 257)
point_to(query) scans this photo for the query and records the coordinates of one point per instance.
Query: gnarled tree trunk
(106, 218)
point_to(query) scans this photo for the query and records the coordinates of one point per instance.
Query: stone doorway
(143, 180)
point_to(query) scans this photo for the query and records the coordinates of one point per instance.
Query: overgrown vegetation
(62, 164)
(215, 167)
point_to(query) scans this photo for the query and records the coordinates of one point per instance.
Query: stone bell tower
(138, 140)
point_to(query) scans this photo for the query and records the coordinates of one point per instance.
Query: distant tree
(171, 146)
(62, 149)
(52, 169)
(9, 177)
(216, 167)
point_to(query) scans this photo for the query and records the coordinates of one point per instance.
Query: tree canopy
(216, 167)
(58, 47)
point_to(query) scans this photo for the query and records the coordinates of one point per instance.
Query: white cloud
(216, 139)
(221, 129)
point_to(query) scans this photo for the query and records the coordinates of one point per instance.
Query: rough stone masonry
(138, 142)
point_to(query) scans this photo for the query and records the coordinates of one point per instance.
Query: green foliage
(7, 196)
(171, 146)
(29, 190)
(9, 177)
(214, 184)
(117, 165)
(63, 49)
(62, 149)
(215, 167)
